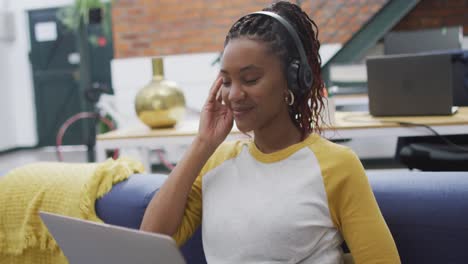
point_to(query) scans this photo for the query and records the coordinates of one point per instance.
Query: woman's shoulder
(323, 146)
(332, 155)
(339, 165)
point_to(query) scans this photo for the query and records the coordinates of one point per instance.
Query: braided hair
(305, 112)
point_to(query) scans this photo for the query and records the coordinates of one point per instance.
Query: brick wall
(162, 27)
(436, 13)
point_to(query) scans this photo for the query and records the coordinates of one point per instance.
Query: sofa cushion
(427, 213)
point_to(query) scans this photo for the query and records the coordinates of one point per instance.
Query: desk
(347, 125)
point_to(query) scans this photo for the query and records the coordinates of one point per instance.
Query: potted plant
(84, 13)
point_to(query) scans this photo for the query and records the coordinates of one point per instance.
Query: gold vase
(160, 104)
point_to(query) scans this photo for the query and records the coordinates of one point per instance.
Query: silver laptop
(410, 85)
(89, 242)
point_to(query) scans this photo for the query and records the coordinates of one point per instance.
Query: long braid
(305, 112)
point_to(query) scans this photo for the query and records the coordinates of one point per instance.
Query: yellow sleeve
(193, 210)
(192, 214)
(359, 218)
(356, 214)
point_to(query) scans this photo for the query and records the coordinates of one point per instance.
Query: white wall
(17, 108)
(8, 124)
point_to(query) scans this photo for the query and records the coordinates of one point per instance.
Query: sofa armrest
(126, 203)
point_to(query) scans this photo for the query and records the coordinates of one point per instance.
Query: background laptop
(89, 242)
(411, 84)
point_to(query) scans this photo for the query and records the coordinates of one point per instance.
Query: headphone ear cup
(305, 78)
(293, 76)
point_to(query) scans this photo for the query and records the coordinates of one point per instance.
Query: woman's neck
(278, 135)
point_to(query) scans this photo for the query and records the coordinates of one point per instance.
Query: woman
(286, 195)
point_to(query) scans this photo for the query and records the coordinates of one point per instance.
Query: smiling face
(254, 86)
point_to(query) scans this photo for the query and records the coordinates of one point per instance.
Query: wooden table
(347, 125)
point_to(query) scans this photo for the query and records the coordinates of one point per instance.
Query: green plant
(77, 15)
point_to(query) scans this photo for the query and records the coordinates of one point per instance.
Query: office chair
(433, 153)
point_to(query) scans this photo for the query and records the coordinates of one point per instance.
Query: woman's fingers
(219, 97)
(213, 95)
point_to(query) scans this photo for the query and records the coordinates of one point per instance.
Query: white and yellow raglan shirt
(294, 205)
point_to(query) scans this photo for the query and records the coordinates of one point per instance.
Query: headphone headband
(292, 32)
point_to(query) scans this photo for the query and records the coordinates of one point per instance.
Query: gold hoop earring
(289, 99)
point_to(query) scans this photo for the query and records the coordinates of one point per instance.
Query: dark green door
(55, 62)
(55, 66)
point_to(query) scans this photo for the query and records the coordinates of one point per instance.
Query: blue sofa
(427, 212)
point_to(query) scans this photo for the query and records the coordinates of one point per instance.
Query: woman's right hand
(216, 118)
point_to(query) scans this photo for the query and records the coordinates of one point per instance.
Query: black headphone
(299, 74)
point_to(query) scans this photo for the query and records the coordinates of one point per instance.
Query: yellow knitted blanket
(62, 188)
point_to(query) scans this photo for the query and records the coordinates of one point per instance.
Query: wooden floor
(18, 158)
